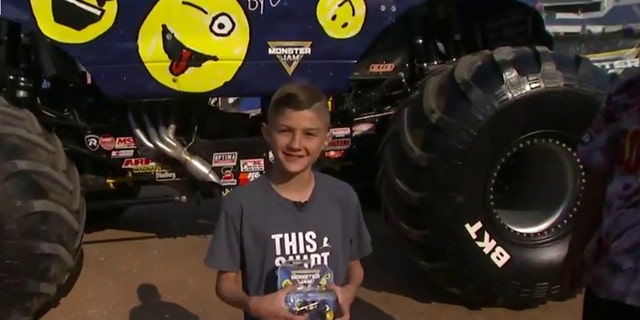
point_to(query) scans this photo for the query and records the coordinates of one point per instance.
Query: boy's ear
(328, 139)
(265, 131)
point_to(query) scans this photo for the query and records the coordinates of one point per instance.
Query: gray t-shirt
(259, 229)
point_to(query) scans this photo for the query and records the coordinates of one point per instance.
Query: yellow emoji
(74, 21)
(196, 45)
(341, 19)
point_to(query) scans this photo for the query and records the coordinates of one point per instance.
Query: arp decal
(489, 246)
(289, 53)
(74, 21)
(341, 19)
(141, 165)
(194, 46)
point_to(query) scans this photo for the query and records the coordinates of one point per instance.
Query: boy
(610, 152)
(291, 213)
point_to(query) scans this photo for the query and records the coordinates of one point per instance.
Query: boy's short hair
(299, 96)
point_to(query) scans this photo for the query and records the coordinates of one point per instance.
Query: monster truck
(470, 117)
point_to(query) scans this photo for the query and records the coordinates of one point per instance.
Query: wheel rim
(536, 186)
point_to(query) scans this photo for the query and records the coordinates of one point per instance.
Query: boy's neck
(297, 187)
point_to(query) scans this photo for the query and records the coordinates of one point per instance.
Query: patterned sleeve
(603, 144)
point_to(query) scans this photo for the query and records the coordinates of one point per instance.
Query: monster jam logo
(289, 53)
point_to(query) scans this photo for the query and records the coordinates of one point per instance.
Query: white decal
(224, 159)
(92, 142)
(122, 153)
(498, 255)
(250, 165)
(125, 143)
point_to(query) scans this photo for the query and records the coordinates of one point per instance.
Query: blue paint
(114, 63)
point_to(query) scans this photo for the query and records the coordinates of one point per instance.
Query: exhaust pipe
(164, 140)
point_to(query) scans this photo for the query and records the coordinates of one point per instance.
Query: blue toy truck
(461, 110)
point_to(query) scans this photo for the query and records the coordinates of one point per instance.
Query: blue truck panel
(226, 48)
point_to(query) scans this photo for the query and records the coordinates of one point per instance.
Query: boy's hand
(272, 307)
(346, 296)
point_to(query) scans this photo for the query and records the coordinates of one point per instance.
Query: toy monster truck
(474, 117)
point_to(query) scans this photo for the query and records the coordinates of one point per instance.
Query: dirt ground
(149, 266)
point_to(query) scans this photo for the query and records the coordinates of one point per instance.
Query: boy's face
(296, 138)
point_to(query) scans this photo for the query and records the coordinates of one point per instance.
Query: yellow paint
(65, 23)
(341, 19)
(217, 31)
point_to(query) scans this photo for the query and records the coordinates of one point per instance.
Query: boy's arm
(224, 254)
(360, 244)
(229, 290)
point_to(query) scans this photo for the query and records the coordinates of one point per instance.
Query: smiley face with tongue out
(196, 45)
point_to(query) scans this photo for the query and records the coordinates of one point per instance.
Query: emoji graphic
(341, 19)
(74, 21)
(194, 46)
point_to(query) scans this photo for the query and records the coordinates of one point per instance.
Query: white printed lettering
(489, 246)
(295, 246)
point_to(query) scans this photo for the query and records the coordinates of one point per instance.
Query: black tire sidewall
(563, 110)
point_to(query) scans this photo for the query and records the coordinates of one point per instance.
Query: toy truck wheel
(479, 171)
(42, 215)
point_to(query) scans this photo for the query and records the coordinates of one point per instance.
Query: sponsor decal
(224, 159)
(363, 128)
(122, 153)
(289, 53)
(249, 165)
(338, 144)
(225, 191)
(165, 175)
(125, 143)
(489, 246)
(228, 178)
(92, 142)
(382, 67)
(340, 132)
(107, 142)
(141, 165)
(246, 177)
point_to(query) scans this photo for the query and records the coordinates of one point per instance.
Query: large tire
(42, 216)
(446, 162)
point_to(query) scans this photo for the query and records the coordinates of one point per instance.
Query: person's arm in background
(597, 152)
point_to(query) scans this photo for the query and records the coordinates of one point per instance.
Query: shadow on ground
(152, 307)
(390, 269)
(167, 220)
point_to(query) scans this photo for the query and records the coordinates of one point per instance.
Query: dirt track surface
(162, 248)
